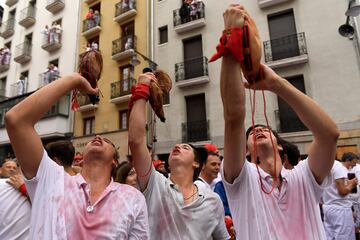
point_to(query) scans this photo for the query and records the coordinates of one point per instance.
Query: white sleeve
(339, 171)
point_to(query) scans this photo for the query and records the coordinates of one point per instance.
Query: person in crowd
(178, 208)
(210, 168)
(337, 203)
(291, 154)
(160, 167)
(62, 152)
(15, 209)
(356, 196)
(96, 18)
(184, 11)
(90, 19)
(266, 202)
(8, 168)
(73, 207)
(126, 174)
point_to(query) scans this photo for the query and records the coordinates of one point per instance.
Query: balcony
(10, 3)
(192, 72)
(123, 48)
(91, 27)
(125, 11)
(7, 28)
(27, 16)
(47, 77)
(121, 90)
(23, 53)
(89, 1)
(61, 108)
(268, 3)
(85, 104)
(5, 60)
(51, 41)
(55, 6)
(19, 88)
(184, 22)
(195, 131)
(286, 51)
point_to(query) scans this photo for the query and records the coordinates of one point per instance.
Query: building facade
(34, 54)
(119, 29)
(300, 42)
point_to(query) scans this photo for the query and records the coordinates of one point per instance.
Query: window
(8, 45)
(28, 38)
(2, 87)
(288, 120)
(124, 120)
(196, 127)
(89, 126)
(193, 57)
(163, 34)
(283, 35)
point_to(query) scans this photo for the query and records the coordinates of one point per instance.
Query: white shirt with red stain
(61, 208)
(289, 213)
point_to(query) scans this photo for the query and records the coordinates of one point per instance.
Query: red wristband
(139, 91)
(231, 42)
(23, 191)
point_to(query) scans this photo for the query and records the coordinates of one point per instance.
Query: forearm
(233, 97)
(137, 142)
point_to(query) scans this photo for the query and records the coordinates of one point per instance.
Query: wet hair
(349, 156)
(292, 151)
(122, 172)
(63, 150)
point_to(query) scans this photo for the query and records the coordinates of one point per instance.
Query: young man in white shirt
(292, 207)
(337, 201)
(178, 208)
(89, 205)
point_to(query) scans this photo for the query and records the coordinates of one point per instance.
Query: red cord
(253, 108)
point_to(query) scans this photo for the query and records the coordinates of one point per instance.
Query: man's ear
(196, 164)
(279, 148)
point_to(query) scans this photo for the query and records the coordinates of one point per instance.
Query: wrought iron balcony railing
(19, 88)
(23, 52)
(88, 24)
(187, 14)
(7, 28)
(195, 131)
(27, 17)
(122, 44)
(55, 6)
(124, 6)
(48, 77)
(193, 68)
(122, 87)
(285, 47)
(51, 40)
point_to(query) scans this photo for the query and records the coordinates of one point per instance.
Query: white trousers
(339, 223)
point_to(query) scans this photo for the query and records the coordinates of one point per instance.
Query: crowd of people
(190, 10)
(52, 34)
(92, 19)
(50, 74)
(258, 188)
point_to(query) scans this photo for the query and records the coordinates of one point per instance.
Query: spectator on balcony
(194, 9)
(6, 56)
(45, 31)
(58, 32)
(52, 33)
(129, 42)
(20, 85)
(96, 18)
(89, 19)
(94, 46)
(51, 74)
(185, 11)
(177, 207)
(125, 5)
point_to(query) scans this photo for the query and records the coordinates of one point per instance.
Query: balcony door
(283, 35)
(196, 123)
(193, 61)
(289, 121)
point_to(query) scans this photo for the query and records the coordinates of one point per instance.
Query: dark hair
(10, 160)
(349, 156)
(197, 170)
(122, 171)
(63, 150)
(292, 152)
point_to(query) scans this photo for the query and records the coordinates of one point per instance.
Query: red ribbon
(74, 102)
(231, 42)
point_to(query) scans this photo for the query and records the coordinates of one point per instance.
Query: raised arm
(20, 119)
(323, 147)
(233, 98)
(137, 136)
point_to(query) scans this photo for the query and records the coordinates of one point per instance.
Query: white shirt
(289, 213)
(60, 208)
(15, 212)
(170, 219)
(331, 195)
(200, 182)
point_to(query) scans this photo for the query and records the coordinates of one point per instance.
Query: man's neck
(267, 164)
(182, 177)
(206, 178)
